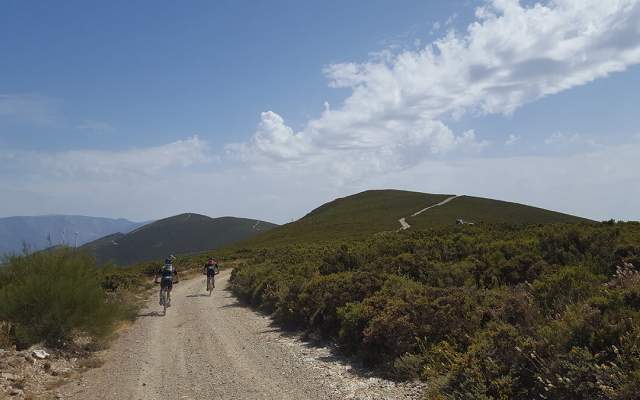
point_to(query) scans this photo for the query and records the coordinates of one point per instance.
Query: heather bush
(480, 312)
(50, 296)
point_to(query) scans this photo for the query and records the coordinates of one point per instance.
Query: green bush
(323, 295)
(49, 296)
(569, 285)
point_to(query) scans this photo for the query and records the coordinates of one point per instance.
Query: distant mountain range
(40, 232)
(180, 234)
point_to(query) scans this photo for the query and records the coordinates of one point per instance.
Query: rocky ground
(37, 373)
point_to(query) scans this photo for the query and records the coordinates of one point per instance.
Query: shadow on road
(235, 304)
(197, 295)
(151, 314)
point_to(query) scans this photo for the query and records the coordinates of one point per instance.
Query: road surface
(214, 348)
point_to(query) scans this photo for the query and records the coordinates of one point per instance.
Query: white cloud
(399, 103)
(511, 140)
(96, 164)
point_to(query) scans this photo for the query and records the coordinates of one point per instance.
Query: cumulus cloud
(511, 55)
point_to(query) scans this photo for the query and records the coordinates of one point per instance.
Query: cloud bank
(397, 112)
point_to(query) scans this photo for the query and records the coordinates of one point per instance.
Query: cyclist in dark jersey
(167, 273)
(211, 269)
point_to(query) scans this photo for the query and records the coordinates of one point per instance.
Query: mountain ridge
(179, 234)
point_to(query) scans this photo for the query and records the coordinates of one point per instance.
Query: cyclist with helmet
(167, 273)
(211, 268)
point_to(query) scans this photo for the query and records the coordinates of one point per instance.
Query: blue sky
(153, 71)
(267, 109)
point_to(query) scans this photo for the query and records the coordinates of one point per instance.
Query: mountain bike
(211, 279)
(210, 284)
(164, 299)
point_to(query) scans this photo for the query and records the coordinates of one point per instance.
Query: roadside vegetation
(62, 300)
(479, 312)
(52, 297)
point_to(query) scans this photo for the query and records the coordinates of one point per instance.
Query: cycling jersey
(211, 270)
(167, 271)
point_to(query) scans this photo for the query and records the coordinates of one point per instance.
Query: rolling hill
(180, 234)
(380, 210)
(40, 232)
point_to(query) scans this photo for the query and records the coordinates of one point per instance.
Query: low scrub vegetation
(480, 312)
(51, 296)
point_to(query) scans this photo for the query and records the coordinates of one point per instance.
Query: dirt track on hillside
(214, 348)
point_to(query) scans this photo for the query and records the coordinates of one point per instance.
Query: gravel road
(214, 348)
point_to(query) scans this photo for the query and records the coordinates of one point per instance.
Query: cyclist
(211, 268)
(167, 273)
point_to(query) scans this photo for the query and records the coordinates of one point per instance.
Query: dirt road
(404, 225)
(214, 348)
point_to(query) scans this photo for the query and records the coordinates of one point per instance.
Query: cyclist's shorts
(210, 272)
(166, 283)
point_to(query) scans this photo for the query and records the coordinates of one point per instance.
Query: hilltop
(180, 234)
(374, 211)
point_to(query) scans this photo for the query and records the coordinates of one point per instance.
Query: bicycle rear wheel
(164, 301)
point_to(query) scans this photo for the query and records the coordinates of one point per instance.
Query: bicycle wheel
(164, 301)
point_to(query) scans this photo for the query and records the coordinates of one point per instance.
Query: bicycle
(165, 297)
(164, 300)
(211, 279)
(210, 284)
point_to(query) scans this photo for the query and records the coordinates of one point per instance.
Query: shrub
(568, 285)
(49, 296)
(323, 295)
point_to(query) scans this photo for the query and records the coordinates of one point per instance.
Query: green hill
(482, 210)
(380, 210)
(181, 234)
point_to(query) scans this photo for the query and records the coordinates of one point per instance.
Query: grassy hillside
(184, 233)
(353, 216)
(374, 211)
(481, 210)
